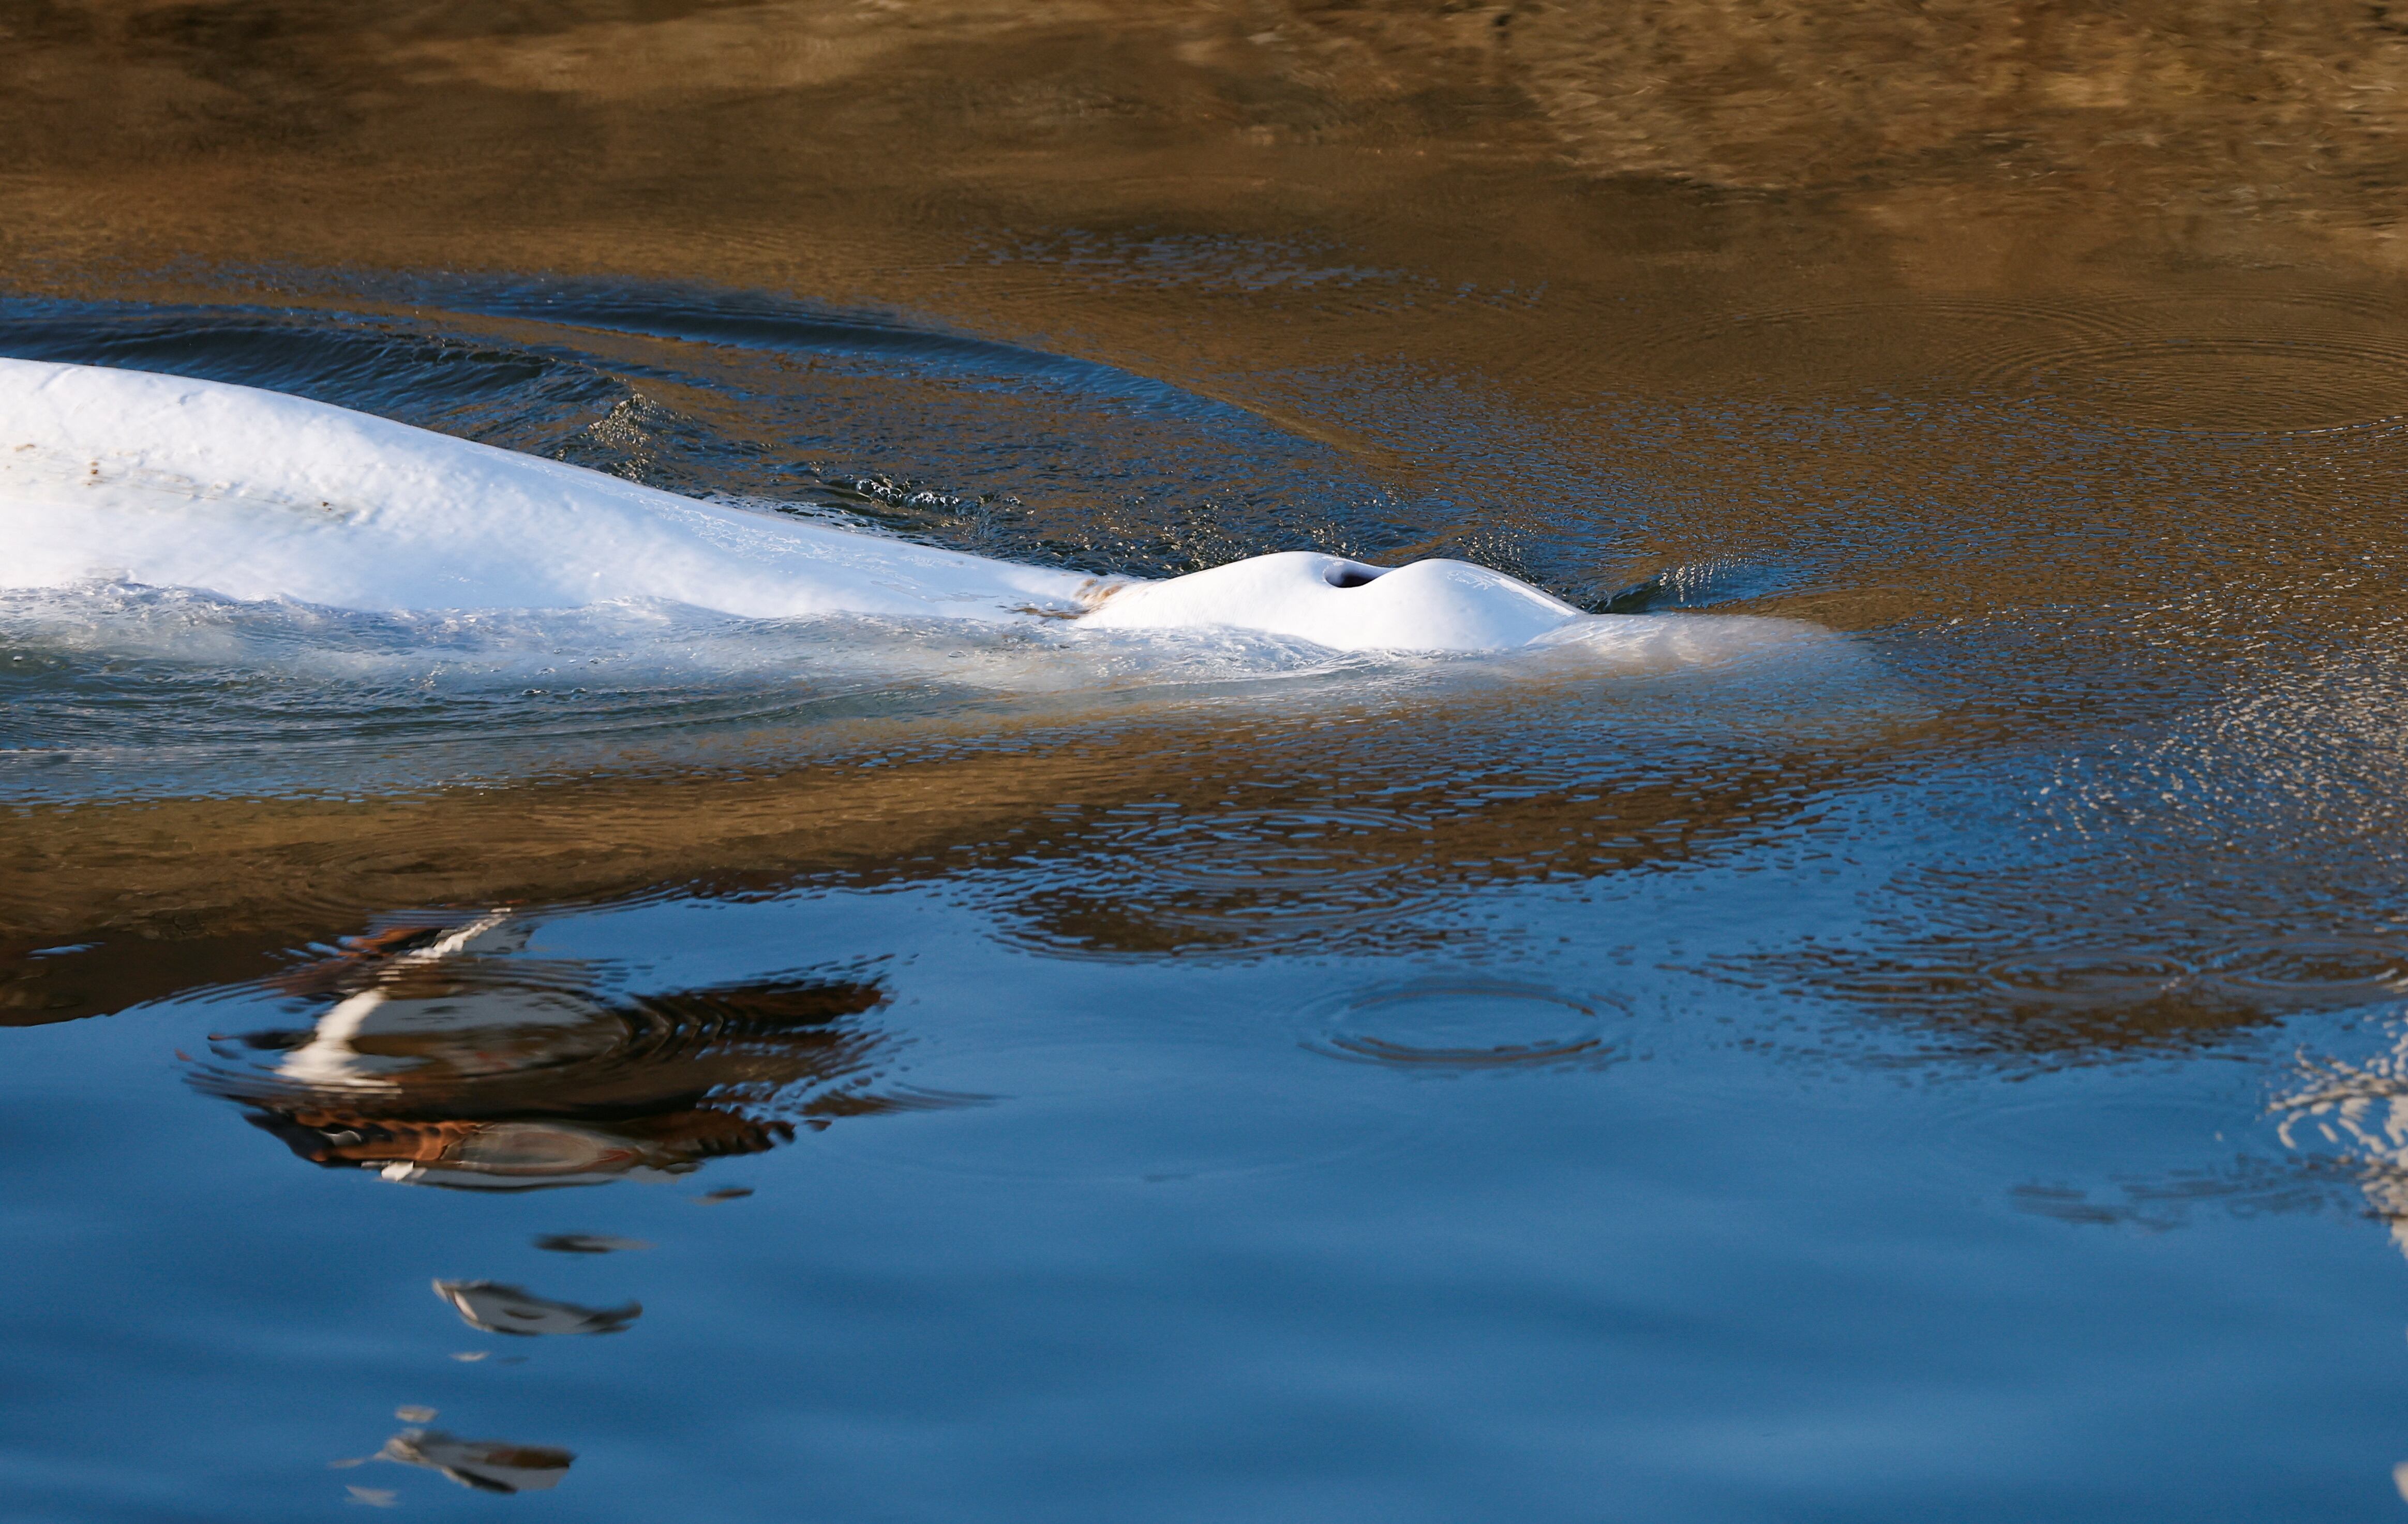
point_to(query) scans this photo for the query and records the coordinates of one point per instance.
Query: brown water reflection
(1937, 129)
(1565, 197)
(2061, 350)
(1259, 835)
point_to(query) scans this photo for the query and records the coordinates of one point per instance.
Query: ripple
(2314, 966)
(2224, 385)
(1154, 1108)
(2214, 362)
(1714, 349)
(1273, 850)
(1167, 876)
(1700, 584)
(1462, 1026)
(2246, 365)
(2122, 1154)
(2085, 975)
(982, 446)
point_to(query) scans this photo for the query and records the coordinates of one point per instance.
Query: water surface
(634, 1063)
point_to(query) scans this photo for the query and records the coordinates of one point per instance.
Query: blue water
(1240, 1084)
(1145, 1252)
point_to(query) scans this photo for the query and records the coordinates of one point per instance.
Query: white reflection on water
(498, 1308)
(2359, 1109)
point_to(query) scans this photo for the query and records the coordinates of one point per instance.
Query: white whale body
(1427, 605)
(161, 481)
(252, 495)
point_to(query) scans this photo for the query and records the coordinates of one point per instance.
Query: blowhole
(1347, 574)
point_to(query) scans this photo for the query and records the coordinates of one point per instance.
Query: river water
(639, 1066)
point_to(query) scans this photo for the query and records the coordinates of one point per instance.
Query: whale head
(1431, 606)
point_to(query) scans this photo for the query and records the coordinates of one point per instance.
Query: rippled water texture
(636, 1063)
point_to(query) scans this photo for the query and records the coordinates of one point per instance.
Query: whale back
(252, 494)
(1450, 605)
(161, 481)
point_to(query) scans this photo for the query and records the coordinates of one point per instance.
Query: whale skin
(162, 480)
(1427, 605)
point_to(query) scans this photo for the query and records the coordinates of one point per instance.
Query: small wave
(1461, 1026)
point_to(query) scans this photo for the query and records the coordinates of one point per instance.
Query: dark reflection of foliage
(444, 1060)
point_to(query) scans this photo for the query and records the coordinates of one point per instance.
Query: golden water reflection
(2065, 350)
(1969, 139)
(1245, 832)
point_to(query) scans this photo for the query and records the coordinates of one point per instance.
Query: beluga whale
(128, 476)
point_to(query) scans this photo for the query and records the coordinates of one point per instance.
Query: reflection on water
(2224, 129)
(1346, 811)
(442, 1058)
(1783, 1091)
(2358, 1110)
(588, 1244)
(498, 1308)
(483, 1466)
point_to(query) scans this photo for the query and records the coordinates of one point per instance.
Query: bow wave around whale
(133, 476)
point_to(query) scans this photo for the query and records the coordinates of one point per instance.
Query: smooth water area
(638, 1063)
(1092, 1238)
